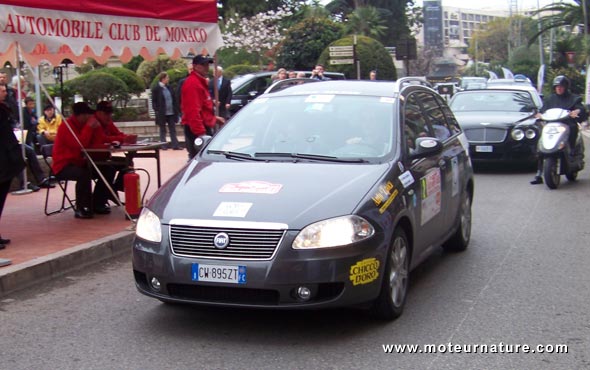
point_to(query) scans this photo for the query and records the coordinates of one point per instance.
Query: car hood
(491, 118)
(295, 194)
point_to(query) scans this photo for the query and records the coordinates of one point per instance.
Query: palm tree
(366, 21)
(560, 15)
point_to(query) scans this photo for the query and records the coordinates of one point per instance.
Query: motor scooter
(554, 148)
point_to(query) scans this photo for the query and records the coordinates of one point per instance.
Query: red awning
(52, 30)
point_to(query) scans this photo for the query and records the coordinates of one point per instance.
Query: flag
(540, 78)
(507, 73)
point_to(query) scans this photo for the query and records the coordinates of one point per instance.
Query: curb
(27, 274)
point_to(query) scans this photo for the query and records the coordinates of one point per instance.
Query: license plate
(484, 148)
(219, 273)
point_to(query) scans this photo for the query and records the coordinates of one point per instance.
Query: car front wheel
(394, 286)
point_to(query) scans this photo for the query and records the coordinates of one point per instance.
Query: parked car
(318, 195)
(499, 122)
(470, 83)
(247, 87)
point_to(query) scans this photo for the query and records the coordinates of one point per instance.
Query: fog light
(155, 284)
(530, 133)
(303, 293)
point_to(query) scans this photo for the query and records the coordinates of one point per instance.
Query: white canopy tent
(36, 31)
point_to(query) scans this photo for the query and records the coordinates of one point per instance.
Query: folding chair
(46, 152)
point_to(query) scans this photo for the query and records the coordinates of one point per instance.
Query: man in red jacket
(196, 104)
(104, 115)
(69, 162)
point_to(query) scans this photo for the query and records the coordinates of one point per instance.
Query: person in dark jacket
(564, 99)
(224, 93)
(30, 122)
(10, 99)
(11, 160)
(166, 108)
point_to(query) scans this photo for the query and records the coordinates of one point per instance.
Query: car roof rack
(412, 80)
(283, 84)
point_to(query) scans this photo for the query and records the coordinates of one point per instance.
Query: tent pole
(25, 189)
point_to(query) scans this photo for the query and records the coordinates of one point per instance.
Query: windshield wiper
(313, 157)
(234, 155)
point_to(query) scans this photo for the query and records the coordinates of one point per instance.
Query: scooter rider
(564, 99)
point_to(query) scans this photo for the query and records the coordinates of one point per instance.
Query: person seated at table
(104, 115)
(47, 125)
(70, 163)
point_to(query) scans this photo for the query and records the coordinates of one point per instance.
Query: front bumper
(524, 151)
(332, 275)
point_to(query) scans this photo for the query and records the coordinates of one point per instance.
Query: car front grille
(485, 135)
(193, 240)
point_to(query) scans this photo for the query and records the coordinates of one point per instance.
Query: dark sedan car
(247, 87)
(499, 123)
(319, 195)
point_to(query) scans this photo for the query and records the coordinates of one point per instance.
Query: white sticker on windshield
(387, 100)
(232, 209)
(319, 98)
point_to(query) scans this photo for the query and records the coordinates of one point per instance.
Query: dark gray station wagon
(319, 195)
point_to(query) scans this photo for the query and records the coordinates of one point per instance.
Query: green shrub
(125, 114)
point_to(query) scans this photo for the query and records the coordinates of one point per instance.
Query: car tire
(460, 239)
(389, 305)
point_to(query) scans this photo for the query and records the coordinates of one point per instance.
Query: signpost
(341, 51)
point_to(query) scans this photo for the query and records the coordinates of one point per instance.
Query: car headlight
(334, 232)
(530, 133)
(517, 134)
(148, 226)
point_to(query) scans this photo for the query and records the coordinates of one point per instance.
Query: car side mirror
(201, 141)
(253, 94)
(426, 147)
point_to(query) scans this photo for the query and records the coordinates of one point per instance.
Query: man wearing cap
(104, 114)
(197, 106)
(47, 126)
(69, 162)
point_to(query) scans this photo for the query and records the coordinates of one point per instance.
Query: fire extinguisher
(132, 189)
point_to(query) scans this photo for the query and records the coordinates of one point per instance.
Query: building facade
(449, 29)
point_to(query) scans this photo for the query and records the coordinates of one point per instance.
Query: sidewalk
(44, 247)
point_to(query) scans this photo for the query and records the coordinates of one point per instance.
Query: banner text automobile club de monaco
(92, 29)
(54, 28)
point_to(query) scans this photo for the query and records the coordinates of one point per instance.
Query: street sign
(341, 48)
(341, 53)
(341, 61)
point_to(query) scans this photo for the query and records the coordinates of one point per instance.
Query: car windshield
(495, 101)
(309, 127)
